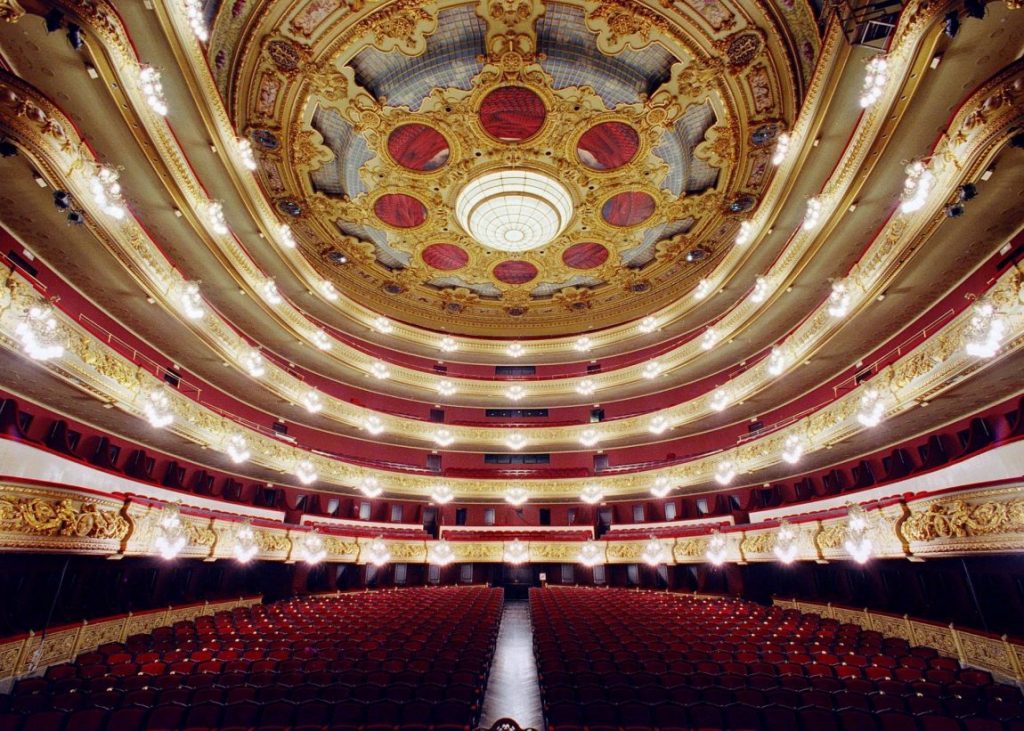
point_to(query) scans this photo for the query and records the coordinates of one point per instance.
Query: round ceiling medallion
(608, 145)
(418, 147)
(515, 272)
(512, 113)
(514, 210)
(400, 210)
(446, 257)
(585, 256)
(628, 209)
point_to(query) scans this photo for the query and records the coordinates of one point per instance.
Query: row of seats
(411, 656)
(616, 659)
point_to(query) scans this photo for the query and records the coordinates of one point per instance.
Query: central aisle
(513, 688)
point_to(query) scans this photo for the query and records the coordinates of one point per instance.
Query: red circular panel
(446, 257)
(608, 145)
(628, 209)
(418, 147)
(585, 256)
(512, 113)
(515, 272)
(400, 210)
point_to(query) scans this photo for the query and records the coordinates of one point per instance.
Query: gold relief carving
(624, 552)
(345, 548)
(309, 151)
(760, 542)
(960, 518)
(456, 299)
(199, 535)
(555, 552)
(60, 518)
(272, 542)
(483, 552)
(401, 26)
(831, 537)
(11, 11)
(741, 48)
(286, 55)
(717, 15)
(620, 25)
(689, 548)
(719, 147)
(574, 299)
(986, 652)
(407, 552)
(939, 637)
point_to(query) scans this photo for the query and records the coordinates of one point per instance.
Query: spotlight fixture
(53, 20)
(872, 408)
(875, 79)
(306, 472)
(592, 494)
(725, 472)
(245, 153)
(1017, 141)
(720, 399)
(792, 449)
(813, 214)
(191, 301)
(246, 545)
(157, 408)
(591, 553)
(858, 540)
(954, 210)
(76, 218)
(442, 495)
(312, 401)
(651, 369)
(985, 331)
(153, 90)
(448, 344)
(654, 552)
(313, 551)
(745, 233)
(62, 200)
(444, 438)
(75, 37)
(237, 448)
(170, 536)
(951, 24)
(252, 361)
(785, 546)
(967, 191)
(516, 496)
(370, 487)
(39, 333)
(517, 552)
(717, 548)
(777, 360)
(271, 293)
(661, 486)
(658, 425)
(440, 554)
(7, 149)
(284, 232)
(589, 437)
(839, 299)
(582, 344)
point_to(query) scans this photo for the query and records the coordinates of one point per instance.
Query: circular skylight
(514, 210)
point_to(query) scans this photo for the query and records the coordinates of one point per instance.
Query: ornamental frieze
(60, 518)
(960, 518)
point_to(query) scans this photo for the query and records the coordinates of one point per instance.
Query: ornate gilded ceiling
(656, 124)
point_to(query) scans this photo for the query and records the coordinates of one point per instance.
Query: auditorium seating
(616, 659)
(417, 658)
